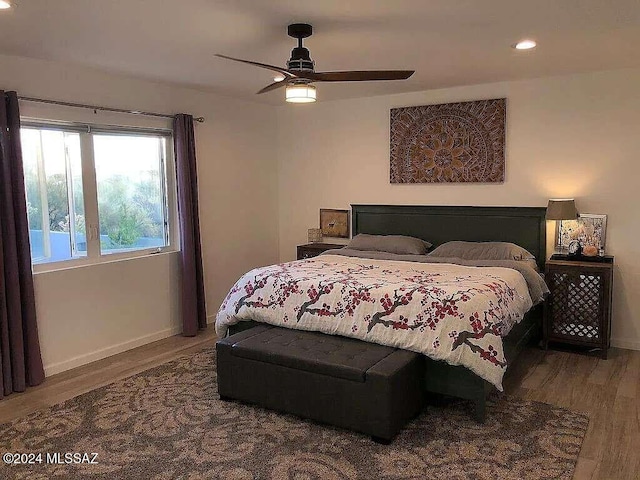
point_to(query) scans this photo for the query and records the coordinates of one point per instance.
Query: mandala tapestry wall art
(449, 143)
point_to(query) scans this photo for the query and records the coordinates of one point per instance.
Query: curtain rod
(103, 109)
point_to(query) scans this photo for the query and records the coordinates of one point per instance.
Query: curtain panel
(20, 358)
(194, 315)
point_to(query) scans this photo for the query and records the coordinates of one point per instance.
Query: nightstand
(578, 310)
(314, 249)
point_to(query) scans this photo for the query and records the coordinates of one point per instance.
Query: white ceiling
(447, 42)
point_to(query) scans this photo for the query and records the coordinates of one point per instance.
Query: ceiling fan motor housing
(300, 58)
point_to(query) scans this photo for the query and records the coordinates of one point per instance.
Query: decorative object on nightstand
(590, 251)
(560, 209)
(574, 249)
(334, 223)
(578, 310)
(314, 235)
(314, 249)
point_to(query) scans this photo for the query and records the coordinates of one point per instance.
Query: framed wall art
(450, 143)
(589, 229)
(334, 223)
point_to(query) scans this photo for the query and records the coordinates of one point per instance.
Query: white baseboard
(628, 344)
(211, 319)
(80, 360)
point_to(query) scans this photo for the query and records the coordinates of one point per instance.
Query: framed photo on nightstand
(334, 223)
(589, 229)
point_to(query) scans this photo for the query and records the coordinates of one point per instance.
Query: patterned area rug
(167, 423)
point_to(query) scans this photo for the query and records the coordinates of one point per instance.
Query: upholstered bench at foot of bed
(360, 386)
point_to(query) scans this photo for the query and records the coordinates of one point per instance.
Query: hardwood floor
(608, 390)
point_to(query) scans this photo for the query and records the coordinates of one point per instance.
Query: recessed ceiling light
(278, 78)
(4, 4)
(525, 45)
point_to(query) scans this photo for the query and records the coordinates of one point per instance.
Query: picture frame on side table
(334, 223)
(589, 229)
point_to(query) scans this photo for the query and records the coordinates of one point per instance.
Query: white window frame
(90, 193)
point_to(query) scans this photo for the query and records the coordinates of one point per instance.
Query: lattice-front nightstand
(314, 249)
(578, 311)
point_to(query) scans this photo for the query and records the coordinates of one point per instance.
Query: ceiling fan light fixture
(300, 93)
(4, 4)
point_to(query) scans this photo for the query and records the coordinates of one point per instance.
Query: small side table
(578, 310)
(314, 249)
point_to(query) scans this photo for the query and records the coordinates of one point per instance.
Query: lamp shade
(562, 209)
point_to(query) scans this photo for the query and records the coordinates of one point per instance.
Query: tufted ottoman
(361, 386)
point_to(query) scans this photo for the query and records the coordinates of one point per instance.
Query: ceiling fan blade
(283, 71)
(356, 76)
(273, 86)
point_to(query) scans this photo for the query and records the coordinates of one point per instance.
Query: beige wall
(575, 136)
(91, 312)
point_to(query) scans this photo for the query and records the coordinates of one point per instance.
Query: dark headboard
(524, 226)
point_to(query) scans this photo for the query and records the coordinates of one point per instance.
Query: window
(131, 197)
(53, 180)
(96, 193)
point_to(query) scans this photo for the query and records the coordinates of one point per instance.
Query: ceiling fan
(299, 76)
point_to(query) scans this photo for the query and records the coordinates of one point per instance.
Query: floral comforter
(448, 312)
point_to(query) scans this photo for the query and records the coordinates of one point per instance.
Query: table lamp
(560, 209)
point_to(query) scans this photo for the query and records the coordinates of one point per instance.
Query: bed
(524, 226)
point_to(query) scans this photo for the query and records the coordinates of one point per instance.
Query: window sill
(44, 268)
